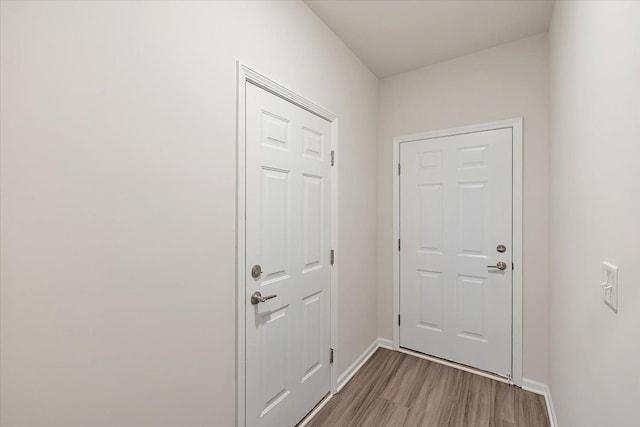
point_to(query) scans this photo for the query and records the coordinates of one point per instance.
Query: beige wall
(118, 202)
(595, 211)
(499, 83)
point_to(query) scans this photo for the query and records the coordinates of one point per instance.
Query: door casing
(516, 126)
(246, 75)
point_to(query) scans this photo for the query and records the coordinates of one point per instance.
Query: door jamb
(517, 181)
(245, 75)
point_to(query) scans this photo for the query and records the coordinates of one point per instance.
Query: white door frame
(246, 74)
(516, 126)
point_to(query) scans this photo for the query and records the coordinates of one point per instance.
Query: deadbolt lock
(501, 248)
(256, 271)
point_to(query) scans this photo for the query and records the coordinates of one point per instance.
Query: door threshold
(456, 365)
(327, 397)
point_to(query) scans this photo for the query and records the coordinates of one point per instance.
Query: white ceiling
(392, 37)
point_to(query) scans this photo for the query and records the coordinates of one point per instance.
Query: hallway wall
(118, 160)
(595, 211)
(504, 82)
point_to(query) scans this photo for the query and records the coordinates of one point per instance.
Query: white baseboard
(348, 374)
(355, 366)
(542, 389)
(344, 379)
(385, 343)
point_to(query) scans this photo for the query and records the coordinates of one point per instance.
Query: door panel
(312, 222)
(471, 221)
(455, 208)
(312, 337)
(274, 346)
(470, 296)
(288, 232)
(430, 300)
(430, 217)
(277, 236)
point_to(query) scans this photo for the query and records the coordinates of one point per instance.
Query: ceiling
(392, 37)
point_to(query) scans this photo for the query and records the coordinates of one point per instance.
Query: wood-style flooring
(397, 389)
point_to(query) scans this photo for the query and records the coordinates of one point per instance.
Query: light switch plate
(610, 285)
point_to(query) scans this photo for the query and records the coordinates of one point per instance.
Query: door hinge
(333, 157)
(398, 320)
(332, 257)
(398, 169)
(331, 356)
(513, 266)
(398, 244)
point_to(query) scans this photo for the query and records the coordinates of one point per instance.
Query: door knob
(257, 297)
(256, 271)
(500, 266)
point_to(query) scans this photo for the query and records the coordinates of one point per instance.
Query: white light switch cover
(610, 285)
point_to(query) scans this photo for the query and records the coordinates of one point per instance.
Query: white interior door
(455, 212)
(288, 235)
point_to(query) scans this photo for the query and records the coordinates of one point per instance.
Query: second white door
(288, 236)
(456, 248)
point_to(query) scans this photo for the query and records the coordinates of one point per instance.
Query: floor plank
(396, 389)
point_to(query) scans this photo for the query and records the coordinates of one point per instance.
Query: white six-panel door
(455, 210)
(288, 232)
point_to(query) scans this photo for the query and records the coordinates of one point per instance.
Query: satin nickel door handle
(500, 266)
(257, 297)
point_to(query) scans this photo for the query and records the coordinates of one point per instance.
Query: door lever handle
(500, 266)
(257, 297)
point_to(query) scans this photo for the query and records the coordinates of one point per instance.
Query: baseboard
(385, 343)
(347, 375)
(355, 366)
(542, 389)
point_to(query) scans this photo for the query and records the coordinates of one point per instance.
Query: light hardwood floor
(397, 389)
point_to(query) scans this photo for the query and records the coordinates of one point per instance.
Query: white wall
(499, 83)
(595, 211)
(118, 202)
